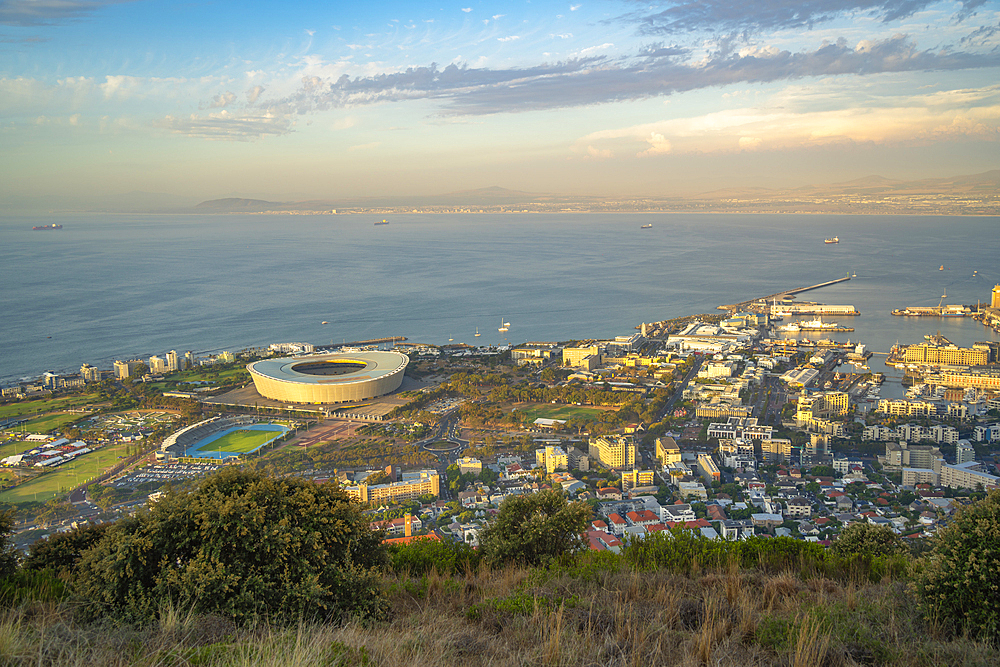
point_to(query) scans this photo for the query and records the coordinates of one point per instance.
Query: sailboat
(477, 333)
(504, 326)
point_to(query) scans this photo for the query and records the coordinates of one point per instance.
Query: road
(679, 393)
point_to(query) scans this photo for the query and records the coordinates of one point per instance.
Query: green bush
(960, 580)
(865, 539)
(420, 556)
(242, 545)
(534, 529)
(8, 556)
(61, 552)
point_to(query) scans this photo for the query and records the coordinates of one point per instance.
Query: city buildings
(410, 487)
(614, 451)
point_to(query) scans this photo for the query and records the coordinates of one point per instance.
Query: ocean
(116, 287)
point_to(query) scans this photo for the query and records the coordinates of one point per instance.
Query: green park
(560, 411)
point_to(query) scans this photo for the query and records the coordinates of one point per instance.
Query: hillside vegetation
(249, 570)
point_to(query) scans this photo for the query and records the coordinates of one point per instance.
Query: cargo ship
(45, 228)
(835, 239)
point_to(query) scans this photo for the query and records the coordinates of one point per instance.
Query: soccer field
(550, 411)
(239, 442)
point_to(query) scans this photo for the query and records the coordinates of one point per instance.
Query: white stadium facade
(329, 378)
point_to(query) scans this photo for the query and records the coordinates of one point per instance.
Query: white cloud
(466, 9)
(509, 38)
(562, 35)
(594, 49)
(498, 16)
(598, 153)
(222, 100)
(254, 94)
(573, 8)
(658, 145)
(225, 126)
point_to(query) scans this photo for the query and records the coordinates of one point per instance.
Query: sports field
(236, 441)
(67, 476)
(550, 411)
(47, 423)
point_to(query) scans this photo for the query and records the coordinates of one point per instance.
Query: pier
(742, 305)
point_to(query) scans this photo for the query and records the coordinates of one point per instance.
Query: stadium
(329, 378)
(220, 438)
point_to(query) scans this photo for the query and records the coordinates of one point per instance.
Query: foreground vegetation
(183, 584)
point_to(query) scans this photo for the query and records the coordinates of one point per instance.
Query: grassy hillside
(593, 613)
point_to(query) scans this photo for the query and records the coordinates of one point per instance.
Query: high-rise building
(614, 451)
(995, 302)
(124, 369)
(667, 451)
(90, 373)
(173, 361)
(157, 364)
(552, 458)
(189, 359)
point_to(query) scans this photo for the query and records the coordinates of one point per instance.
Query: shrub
(960, 582)
(534, 529)
(8, 556)
(61, 552)
(242, 545)
(865, 539)
(420, 556)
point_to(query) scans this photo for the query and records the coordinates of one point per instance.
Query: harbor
(787, 295)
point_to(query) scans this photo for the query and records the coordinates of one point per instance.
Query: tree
(8, 555)
(533, 529)
(865, 539)
(240, 544)
(959, 582)
(62, 552)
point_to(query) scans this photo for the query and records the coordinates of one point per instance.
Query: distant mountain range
(977, 194)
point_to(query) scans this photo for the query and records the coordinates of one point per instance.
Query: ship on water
(384, 222)
(649, 226)
(45, 228)
(835, 239)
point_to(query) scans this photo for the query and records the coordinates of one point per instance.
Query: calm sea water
(107, 287)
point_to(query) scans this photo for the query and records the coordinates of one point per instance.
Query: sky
(302, 100)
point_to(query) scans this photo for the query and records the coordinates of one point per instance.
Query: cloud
(509, 38)
(24, 40)
(562, 35)
(466, 9)
(225, 126)
(498, 16)
(598, 154)
(962, 114)
(222, 100)
(254, 94)
(573, 8)
(49, 12)
(658, 145)
(725, 16)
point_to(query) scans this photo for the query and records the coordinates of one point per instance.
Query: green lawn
(45, 405)
(60, 480)
(48, 423)
(11, 447)
(550, 411)
(240, 441)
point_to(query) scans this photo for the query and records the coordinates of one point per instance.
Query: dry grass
(517, 616)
